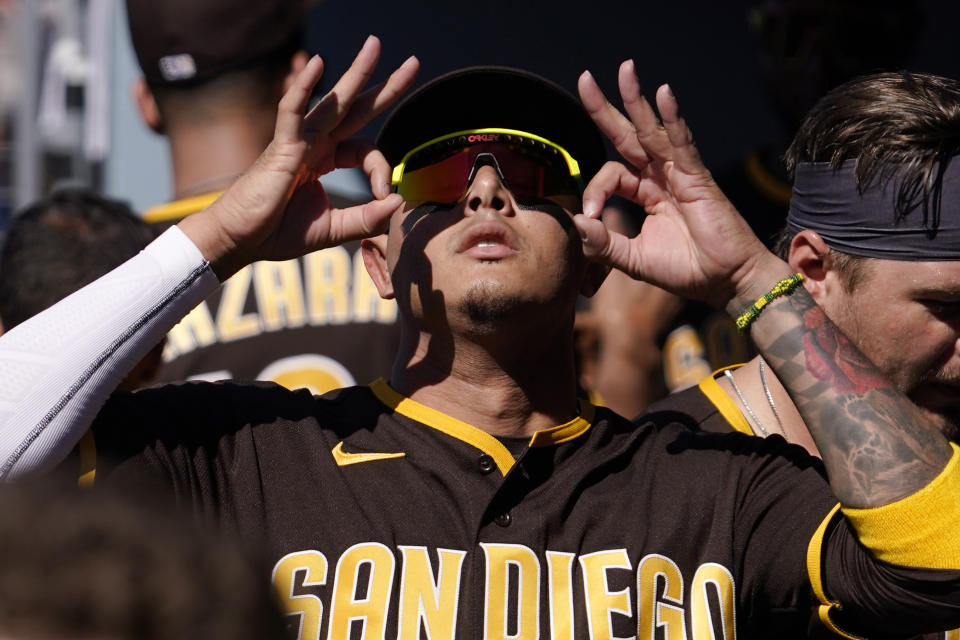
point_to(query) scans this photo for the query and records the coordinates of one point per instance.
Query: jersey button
(486, 464)
(503, 519)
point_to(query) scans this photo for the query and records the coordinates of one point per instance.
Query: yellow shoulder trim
(445, 424)
(179, 208)
(814, 560)
(724, 403)
(88, 460)
(567, 431)
(905, 533)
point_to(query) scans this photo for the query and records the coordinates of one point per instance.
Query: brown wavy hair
(897, 125)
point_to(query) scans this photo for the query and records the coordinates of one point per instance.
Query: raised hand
(694, 242)
(278, 208)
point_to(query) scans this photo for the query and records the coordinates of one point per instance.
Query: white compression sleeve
(58, 368)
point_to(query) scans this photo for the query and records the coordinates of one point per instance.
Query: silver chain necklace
(766, 391)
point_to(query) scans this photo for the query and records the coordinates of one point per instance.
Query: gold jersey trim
(903, 533)
(179, 208)
(87, 449)
(814, 565)
(724, 403)
(567, 431)
(474, 436)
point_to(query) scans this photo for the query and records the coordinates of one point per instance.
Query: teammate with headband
(874, 228)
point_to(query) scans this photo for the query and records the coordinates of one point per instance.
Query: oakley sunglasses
(534, 169)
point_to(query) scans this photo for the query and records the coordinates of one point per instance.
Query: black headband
(827, 201)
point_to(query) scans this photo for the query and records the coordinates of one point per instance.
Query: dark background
(706, 50)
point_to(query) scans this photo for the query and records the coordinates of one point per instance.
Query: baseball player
(881, 266)
(472, 494)
(213, 72)
(872, 227)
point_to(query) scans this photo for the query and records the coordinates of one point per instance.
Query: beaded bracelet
(782, 288)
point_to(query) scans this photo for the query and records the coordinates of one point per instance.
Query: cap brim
(482, 97)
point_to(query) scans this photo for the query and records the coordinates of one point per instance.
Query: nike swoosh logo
(344, 459)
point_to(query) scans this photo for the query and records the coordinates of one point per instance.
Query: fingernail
(587, 74)
(670, 91)
(590, 208)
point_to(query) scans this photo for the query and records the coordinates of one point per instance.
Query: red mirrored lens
(530, 174)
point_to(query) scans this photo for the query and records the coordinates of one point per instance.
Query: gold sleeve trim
(179, 208)
(724, 403)
(824, 613)
(445, 424)
(814, 562)
(87, 449)
(904, 533)
(815, 554)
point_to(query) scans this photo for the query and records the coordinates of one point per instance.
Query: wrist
(755, 280)
(217, 248)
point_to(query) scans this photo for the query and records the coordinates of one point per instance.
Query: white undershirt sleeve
(58, 368)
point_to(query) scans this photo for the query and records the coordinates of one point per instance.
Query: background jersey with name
(315, 322)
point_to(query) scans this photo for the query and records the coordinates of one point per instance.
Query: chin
(487, 303)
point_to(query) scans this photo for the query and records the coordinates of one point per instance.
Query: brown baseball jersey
(315, 322)
(708, 407)
(383, 517)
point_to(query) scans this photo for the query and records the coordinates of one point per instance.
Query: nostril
(474, 203)
(498, 203)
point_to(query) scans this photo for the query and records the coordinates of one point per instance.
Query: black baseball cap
(482, 97)
(189, 41)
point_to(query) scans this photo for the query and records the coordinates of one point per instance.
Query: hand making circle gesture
(278, 209)
(693, 241)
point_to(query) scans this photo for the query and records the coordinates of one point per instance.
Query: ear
(147, 105)
(808, 256)
(595, 274)
(374, 252)
(297, 62)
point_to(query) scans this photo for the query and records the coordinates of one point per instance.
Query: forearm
(60, 366)
(876, 444)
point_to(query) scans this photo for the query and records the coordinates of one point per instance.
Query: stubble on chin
(486, 305)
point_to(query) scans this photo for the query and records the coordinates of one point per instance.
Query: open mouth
(487, 241)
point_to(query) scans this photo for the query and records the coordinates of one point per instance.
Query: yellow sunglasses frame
(572, 164)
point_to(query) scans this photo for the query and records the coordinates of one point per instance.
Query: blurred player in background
(213, 74)
(62, 243)
(77, 565)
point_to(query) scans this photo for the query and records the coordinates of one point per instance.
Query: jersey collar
(474, 436)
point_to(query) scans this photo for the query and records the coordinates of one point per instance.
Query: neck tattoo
(766, 391)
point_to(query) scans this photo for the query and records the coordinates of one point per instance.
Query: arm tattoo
(876, 444)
